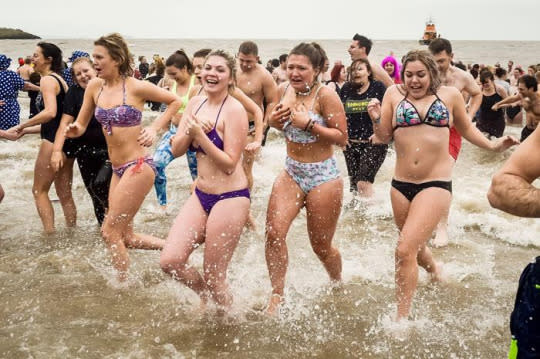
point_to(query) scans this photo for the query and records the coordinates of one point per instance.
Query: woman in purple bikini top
(119, 116)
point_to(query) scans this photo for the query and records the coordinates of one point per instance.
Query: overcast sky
(275, 19)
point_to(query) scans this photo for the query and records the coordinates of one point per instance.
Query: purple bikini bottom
(209, 200)
(120, 170)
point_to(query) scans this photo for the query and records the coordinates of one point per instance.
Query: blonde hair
(229, 61)
(119, 51)
(77, 61)
(429, 62)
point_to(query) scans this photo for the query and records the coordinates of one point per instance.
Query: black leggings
(96, 173)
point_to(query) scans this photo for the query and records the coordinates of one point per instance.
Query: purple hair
(395, 75)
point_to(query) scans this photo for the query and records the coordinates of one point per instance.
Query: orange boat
(430, 33)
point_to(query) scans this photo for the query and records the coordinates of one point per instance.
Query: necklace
(307, 92)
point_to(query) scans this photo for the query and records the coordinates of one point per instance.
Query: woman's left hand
(146, 137)
(299, 116)
(504, 143)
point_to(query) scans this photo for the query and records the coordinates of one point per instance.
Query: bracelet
(308, 124)
(311, 125)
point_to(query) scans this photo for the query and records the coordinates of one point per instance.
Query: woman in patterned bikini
(418, 116)
(117, 99)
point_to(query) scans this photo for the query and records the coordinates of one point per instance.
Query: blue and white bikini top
(437, 114)
(298, 135)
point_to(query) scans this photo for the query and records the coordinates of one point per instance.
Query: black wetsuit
(489, 121)
(362, 158)
(90, 150)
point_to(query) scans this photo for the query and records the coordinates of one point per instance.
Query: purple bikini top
(212, 134)
(119, 116)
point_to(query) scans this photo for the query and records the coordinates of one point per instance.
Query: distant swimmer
(418, 115)
(360, 48)
(450, 75)
(529, 97)
(280, 73)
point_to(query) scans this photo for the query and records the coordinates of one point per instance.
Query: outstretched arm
(511, 188)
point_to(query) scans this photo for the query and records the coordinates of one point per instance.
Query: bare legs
(125, 198)
(44, 176)
(220, 231)
(416, 221)
(323, 206)
(248, 158)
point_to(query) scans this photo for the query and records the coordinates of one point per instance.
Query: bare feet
(250, 223)
(441, 236)
(273, 305)
(437, 273)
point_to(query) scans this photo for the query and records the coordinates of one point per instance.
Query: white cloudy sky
(312, 19)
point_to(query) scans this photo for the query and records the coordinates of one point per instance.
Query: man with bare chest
(529, 97)
(441, 49)
(257, 83)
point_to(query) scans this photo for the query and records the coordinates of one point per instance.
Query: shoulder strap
(62, 90)
(315, 97)
(124, 91)
(201, 105)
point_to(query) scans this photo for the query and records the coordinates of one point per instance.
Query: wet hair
(313, 51)
(275, 63)
(519, 69)
(474, 73)
(249, 48)
(119, 51)
(486, 75)
(428, 61)
(529, 82)
(51, 50)
(439, 45)
(202, 52)
(229, 61)
(363, 42)
(336, 71)
(180, 60)
(283, 58)
(28, 60)
(500, 72)
(77, 61)
(361, 61)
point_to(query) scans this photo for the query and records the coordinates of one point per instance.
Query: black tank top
(491, 121)
(48, 130)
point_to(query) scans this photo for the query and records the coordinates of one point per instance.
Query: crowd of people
(216, 110)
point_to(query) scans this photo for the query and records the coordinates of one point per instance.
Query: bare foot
(273, 305)
(437, 274)
(250, 223)
(441, 236)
